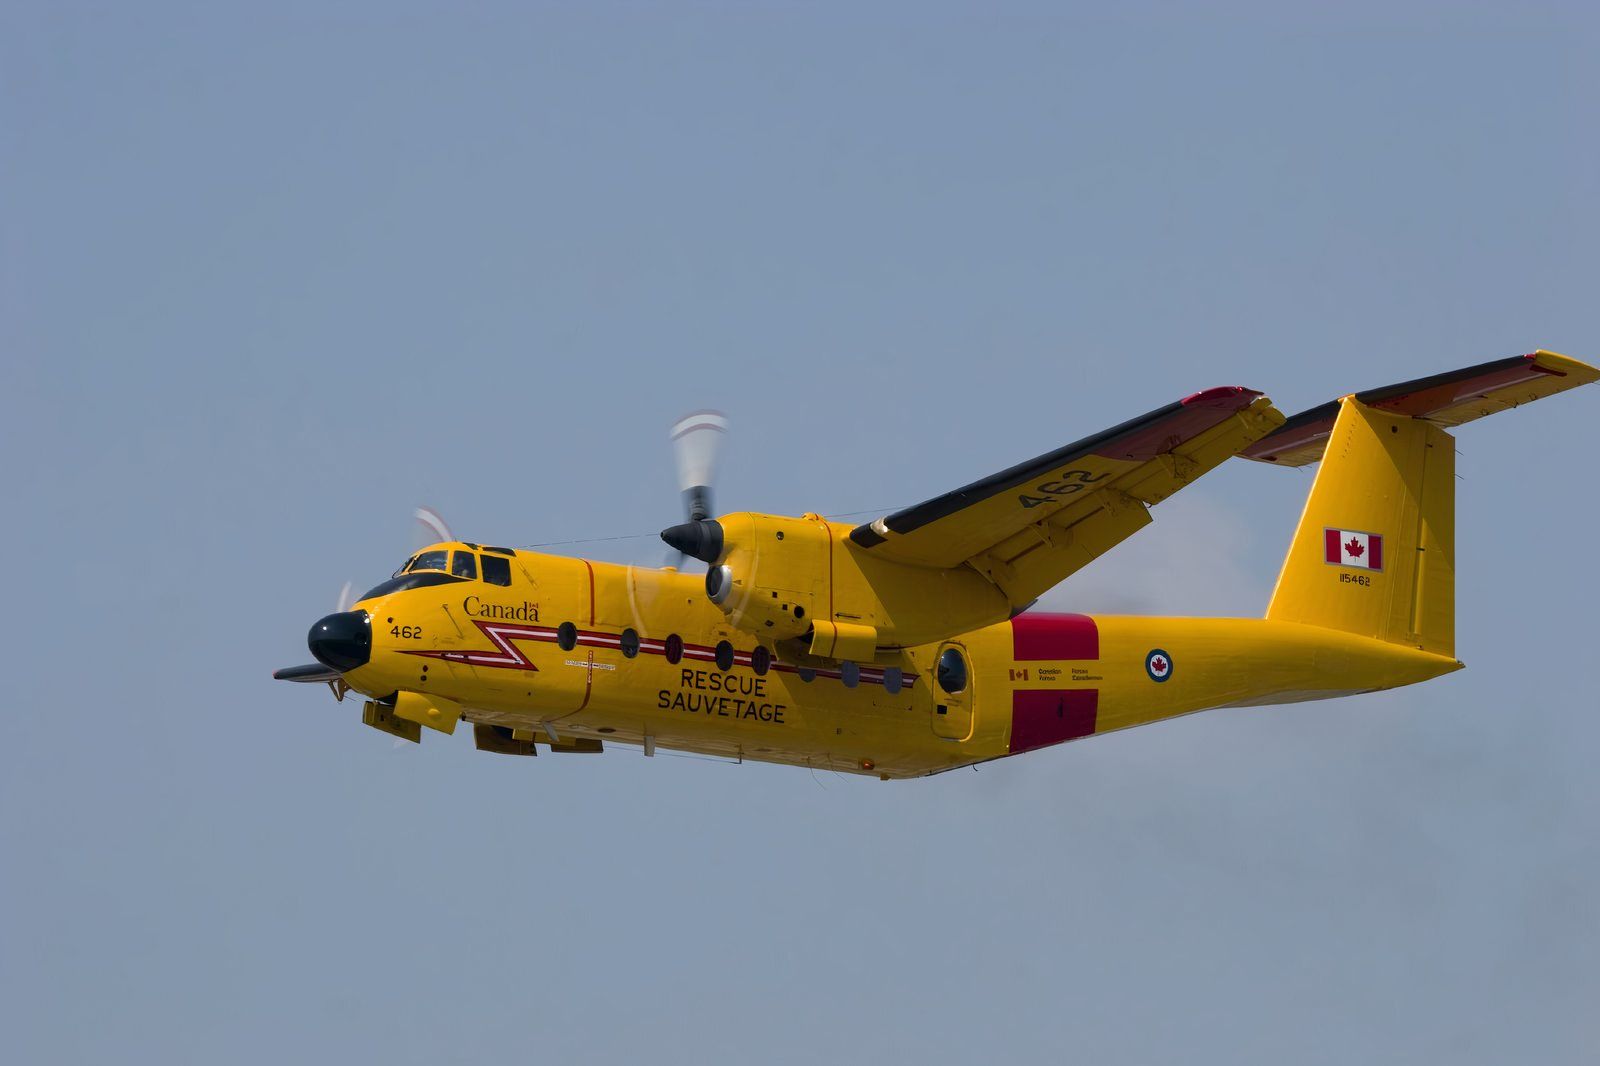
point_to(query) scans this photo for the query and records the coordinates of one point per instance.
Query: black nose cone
(342, 641)
(698, 540)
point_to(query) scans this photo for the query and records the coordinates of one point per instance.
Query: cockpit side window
(434, 560)
(496, 571)
(465, 564)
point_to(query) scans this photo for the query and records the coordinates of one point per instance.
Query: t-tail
(1374, 554)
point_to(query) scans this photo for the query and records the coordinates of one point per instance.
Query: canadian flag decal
(1346, 547)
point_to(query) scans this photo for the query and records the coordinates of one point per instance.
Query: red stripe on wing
(1194, 415)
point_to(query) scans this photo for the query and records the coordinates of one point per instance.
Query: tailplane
(1374, 554)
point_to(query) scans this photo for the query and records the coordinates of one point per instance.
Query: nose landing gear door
(952, 693)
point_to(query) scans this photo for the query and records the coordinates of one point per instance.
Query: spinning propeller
(434, 529)
(342, 640)
(696, 444)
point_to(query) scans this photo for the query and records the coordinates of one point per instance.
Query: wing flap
(1449, 399)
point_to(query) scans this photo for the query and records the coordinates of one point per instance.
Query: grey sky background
(271, 276)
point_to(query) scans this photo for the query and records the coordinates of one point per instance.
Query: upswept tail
(1374, 554)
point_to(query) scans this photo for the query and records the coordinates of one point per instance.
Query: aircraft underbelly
(780, 717)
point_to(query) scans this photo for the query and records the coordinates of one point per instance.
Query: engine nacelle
(771, 575)
(787, 579)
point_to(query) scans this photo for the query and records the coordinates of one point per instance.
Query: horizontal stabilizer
(1445, 400)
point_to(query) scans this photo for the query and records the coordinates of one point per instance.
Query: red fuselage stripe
(509, 657)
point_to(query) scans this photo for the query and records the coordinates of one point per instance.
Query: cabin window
(496, 571)
(952, 671)
(434, 560)
(724, 656)
(629, 641)
(567, 636)
(464, 564)
(673, 648)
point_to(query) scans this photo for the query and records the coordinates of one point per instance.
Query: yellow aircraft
(905, 646)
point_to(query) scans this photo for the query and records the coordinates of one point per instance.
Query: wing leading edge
(1030, 526)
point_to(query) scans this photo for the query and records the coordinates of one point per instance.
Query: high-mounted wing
(1448, 399)
(1031, 526)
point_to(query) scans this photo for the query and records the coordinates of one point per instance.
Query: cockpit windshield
(429, 560)
(438, 566)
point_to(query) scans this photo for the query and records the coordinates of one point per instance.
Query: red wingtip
(1225, 396)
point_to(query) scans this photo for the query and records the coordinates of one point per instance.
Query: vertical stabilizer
(1374, 554)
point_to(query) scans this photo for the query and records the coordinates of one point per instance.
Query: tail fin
(1374, 553)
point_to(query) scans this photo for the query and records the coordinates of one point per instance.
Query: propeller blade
(696, 442)
(347, 597)
(434, 525)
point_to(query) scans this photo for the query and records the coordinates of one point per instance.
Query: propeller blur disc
(696, 443)
(434, 525)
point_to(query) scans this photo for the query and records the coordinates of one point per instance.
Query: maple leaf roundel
(1158, 664)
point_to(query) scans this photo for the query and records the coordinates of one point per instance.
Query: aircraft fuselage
(581, 650)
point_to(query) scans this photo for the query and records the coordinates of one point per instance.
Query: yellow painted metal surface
(431, 710)
(825, 650)
(1386, 488)
(522, 678)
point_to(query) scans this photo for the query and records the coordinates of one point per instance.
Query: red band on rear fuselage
(1054, 636)
(1040, 717)
(1045, 716)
